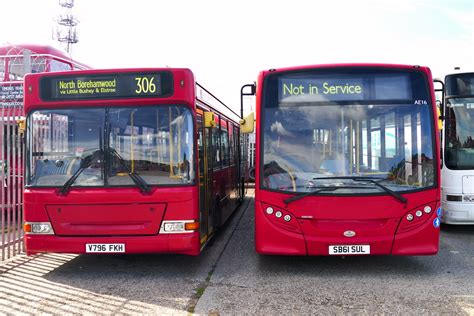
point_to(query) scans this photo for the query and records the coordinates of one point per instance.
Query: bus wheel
(252, 174)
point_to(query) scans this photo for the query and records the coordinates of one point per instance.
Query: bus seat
(74, 165)
(49, 167)
(335, 166)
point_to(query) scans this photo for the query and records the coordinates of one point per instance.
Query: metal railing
(11, 183)
(13, 65)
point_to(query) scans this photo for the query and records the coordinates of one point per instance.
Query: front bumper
(458, 213)
(187, 243)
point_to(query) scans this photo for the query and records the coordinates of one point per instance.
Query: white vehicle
(458, 149)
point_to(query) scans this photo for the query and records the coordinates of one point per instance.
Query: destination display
(107, 86)
(318, 88)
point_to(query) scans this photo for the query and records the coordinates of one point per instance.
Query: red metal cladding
(133, 219)
(94, 219)
(187, 244)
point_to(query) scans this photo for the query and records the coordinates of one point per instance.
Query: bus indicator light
(409, 217)
(427, 209)
(278, 214)
(287, 218)
(191, 226)
(27, 228)
(418, 213)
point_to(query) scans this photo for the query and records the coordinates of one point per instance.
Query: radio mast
(66, 32)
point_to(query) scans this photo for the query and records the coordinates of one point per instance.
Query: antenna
(66, 32)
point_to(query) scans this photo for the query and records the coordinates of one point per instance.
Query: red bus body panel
(187, 244)
(320, 221)
(87, 216)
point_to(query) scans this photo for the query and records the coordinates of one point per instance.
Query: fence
(11, 181)
(14, 63)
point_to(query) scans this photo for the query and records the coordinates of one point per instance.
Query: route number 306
(145, 85)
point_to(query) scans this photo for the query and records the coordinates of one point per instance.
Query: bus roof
(459, 74)
(345, 65)
(37, 49)
(184, 89)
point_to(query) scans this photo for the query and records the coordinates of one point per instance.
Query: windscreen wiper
(139, 181)
(86, 162)
(371, 180)
(320, 189)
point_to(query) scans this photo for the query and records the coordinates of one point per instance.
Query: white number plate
(349, 250)
(106, 248)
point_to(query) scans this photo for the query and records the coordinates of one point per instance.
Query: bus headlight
(416, 217)
(173, 227)
(468, 198)
(43, 228)
(281, 218)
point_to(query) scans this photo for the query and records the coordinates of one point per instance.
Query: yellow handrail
(171, 144)
(132, 156)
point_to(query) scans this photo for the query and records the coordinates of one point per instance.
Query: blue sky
(227, 43)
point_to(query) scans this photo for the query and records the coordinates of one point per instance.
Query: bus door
(205, 179)
(210, 155)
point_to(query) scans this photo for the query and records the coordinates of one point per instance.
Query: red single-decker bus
(347, 161)
(127, 161)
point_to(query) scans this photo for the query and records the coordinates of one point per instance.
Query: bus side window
(216, 144)
(231, 145)
(224, 145)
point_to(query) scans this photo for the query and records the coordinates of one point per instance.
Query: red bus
(127, 161)
(347, 161)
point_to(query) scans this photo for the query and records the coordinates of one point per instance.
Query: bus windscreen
(460, 85)
(107, 86)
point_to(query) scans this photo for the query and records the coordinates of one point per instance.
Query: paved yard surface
(229, 278)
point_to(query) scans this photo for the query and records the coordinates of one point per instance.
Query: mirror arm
(442, 90)
(242, 93)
